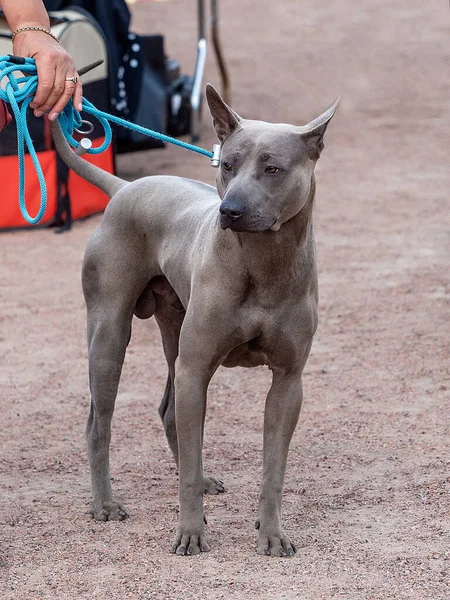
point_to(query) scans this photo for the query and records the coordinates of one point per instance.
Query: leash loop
(21, 89)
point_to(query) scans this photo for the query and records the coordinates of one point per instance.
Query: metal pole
(196, 93)
(226, 93)
(201, 19)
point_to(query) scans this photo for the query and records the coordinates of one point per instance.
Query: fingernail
(32, 105)
(38, 113)
(80, 106)
(53, 117)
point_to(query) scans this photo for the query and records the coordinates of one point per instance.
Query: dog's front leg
(282, 410)
(191, 387)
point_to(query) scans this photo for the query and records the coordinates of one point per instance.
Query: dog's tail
(107, 182)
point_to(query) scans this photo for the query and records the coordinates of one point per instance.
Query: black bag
(141, 92)
(146, 87)
(136, 72)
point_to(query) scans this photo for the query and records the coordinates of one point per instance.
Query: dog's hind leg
(111, 286)
(108, 340)
(169, 315)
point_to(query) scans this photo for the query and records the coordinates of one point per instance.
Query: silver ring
(90, 128)
(74, 79)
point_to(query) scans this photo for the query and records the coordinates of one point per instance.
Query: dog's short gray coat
(231, 280)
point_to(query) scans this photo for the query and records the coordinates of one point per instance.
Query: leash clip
(84, 146)
(215, 159)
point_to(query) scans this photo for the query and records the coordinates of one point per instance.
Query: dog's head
(265, 172)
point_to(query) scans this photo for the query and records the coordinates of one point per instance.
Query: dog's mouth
(254, 224)
(226, 222)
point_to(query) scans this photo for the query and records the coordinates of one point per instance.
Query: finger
(58, 90)
(46, 76)
(78, 95)
(69, 89)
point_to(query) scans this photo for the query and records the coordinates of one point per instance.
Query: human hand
(54, 65)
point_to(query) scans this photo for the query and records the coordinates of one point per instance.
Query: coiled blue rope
(21, 90)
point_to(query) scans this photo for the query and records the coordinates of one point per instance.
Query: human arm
(53, 63)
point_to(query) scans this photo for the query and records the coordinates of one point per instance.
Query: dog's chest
(272, 326)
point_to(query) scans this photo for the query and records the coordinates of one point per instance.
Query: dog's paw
(186, 544)
(213, 486)
(108, 511)
(275, 545)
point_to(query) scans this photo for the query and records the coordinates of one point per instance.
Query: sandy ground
(367, 491)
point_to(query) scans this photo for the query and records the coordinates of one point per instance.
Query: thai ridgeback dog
(230, 276)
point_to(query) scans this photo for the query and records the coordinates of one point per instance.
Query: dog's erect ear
(312, 133)
(225, 120)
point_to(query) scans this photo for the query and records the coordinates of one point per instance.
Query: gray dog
(231, 280)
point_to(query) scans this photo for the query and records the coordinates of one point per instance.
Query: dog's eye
(227, 166)
(271, 170)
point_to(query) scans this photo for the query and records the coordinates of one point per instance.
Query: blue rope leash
(21, 90)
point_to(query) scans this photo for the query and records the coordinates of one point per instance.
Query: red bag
(5, 117)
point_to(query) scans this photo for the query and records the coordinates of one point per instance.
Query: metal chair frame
(201, 60)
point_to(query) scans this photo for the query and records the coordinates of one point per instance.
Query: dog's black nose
(231, 209)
